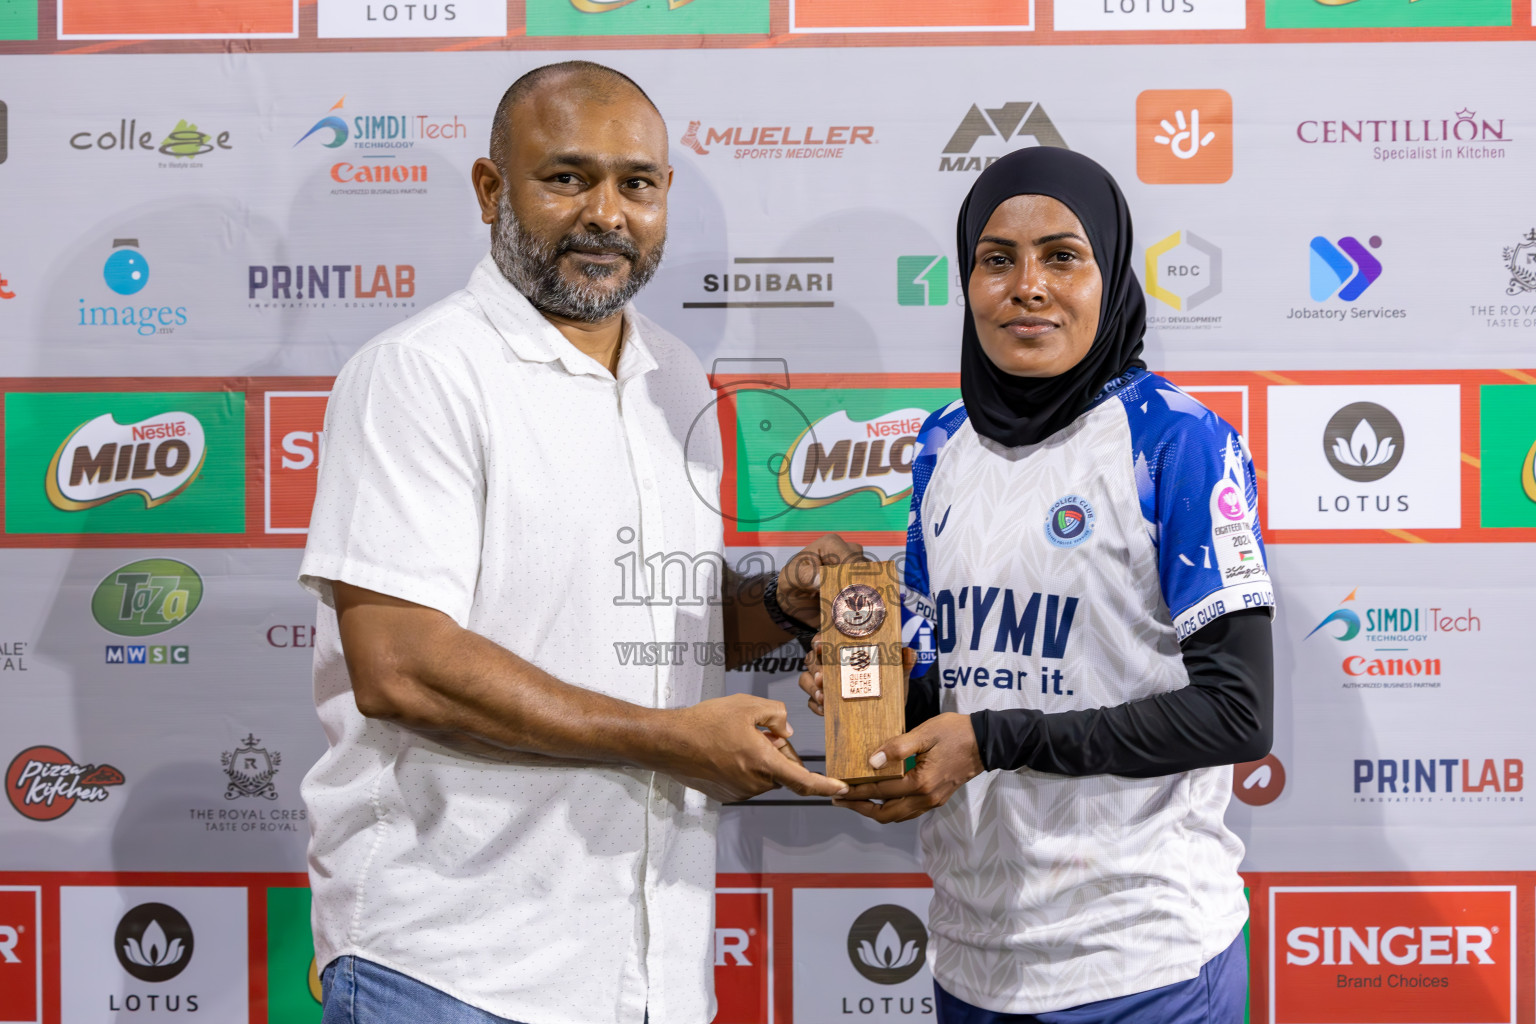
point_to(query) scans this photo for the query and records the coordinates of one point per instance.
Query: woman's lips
(1029, 326)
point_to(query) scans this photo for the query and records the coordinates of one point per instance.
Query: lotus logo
(839, 456)
(154, 942)
(1363, 442)
(886, 944)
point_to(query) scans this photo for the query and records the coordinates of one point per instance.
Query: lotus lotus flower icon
(153, 949)
(1364, 448)
(886, 944)
(154, 942)
(889, 952)
(1363, 441)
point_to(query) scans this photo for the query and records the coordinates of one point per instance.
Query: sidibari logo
(1069, 521)
(1344, 270)
(155, 458)
(1009, 122)
(790, 284)
(147, 597)
(838, 456)
(1363, 442)
(886, 944)
(154, 943)
(44, 783)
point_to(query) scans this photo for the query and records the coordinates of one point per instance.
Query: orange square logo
(1184, 136)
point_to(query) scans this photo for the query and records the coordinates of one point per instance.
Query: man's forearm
(749, 632)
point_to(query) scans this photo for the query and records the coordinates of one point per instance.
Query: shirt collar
(534, 339)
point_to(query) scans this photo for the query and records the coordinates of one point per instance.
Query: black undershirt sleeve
(1224, 716)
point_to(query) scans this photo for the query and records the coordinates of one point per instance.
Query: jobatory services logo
(1385, 13)
(646, 17)
(768, 282)
(1014, 123)
(136, 462)
(125, 272)
(1259, 783)
(330, 285)
(1183, 273)
(1462, 136)
(762, 141)
(922, 280)
(184, 145)
(154, 943)
(887, 943)
(1363, 442)
(1508, 441)
(1184, 136)
(397, 19)
(381, 148)
(43, 783)
(21, 957)
(1376, 954)
(951, 16)
(1148, 15)
(1343, 270)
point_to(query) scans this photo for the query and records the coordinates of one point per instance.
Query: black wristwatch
(802, 632)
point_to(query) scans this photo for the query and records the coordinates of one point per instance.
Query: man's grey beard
(533, 268)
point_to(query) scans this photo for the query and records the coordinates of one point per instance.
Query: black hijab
(1014, 410)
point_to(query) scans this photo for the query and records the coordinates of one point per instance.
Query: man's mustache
(603, 242)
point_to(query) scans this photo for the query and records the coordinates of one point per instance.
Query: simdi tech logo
(1013, 122)
(1374, 954)
(646, 17)
(1393, 646)
(1184, 136)
(381, 145)
(124, 462)
(1385, 13)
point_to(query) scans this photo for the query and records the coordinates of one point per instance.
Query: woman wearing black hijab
(1090, 605)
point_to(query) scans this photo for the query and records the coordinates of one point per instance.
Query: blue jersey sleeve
(917, 613)
(1199, 497)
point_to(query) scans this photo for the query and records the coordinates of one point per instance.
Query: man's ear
(487, 181)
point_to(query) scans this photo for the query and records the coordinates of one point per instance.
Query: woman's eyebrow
(1047, 239)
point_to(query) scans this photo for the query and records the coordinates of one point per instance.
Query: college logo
(43, 783)
(1260, 782)
(791, 284)
(185, 141)
(1069, 522)
(1183, 272)
(21, 962)
(1184, 136)
(652, 17)
(1007, 123)
(140, 462)
(250, 769)
(1374, 953)
(102, 459)
(1520, 261)
(1344, 270)
(153, 942)
(1508, 442)
(951, 16)
(886, 944)
(353, 19)
(778, 142)
(1363, 442)
(922, 280)
(1384, 13)
(147, 597)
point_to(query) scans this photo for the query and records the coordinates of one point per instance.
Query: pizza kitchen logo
(44, 783)
(778, 142)
(102, 459)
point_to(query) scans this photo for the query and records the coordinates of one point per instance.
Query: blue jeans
(1216, 996)
(356, 991)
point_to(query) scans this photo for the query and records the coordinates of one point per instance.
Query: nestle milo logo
(147, 597)
(839, 455)
(103, 459)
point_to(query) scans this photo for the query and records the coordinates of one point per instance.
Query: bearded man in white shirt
(514, 821)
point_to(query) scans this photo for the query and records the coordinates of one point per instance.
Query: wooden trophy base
(864, 689)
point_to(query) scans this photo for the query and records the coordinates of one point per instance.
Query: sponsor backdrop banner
(208, 207)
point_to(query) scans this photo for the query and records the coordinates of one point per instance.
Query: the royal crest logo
(250, 768)
(1520, 261)
(44, 783)
(1069, 522)
(103, 459)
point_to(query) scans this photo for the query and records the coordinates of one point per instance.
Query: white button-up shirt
(478, 463)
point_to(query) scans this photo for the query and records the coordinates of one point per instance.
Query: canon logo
(9, 936)
(1399, 945)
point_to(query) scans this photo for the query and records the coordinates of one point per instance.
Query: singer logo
(103, 459)
(744, 955)
(1371, 954)
(21, 968)
(1184, 136)
(295, 442)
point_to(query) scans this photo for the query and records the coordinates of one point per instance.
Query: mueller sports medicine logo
(1183, 272)
(380, 148)
(886, 944)
(1462, 137)
(1375, 954)
(320, 285)
(778, 141)
(1009, 123)
(155, 458)
(838, 456)
(44, 783)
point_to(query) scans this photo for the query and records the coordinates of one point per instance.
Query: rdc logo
(886, 944)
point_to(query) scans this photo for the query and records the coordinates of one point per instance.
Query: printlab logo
(1520, 261)
(922, 280)
(1342, 271)
(1184, 273)
(147, 597)
(1069, 522)
(1184, 136)
(44, 783)
(886, 944)
(1259, 782)
(250, 768)
(153, 942)
(290, 286)
(1007, 123)
(1363, 442)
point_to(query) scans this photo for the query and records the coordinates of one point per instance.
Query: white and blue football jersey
(1062, 576)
